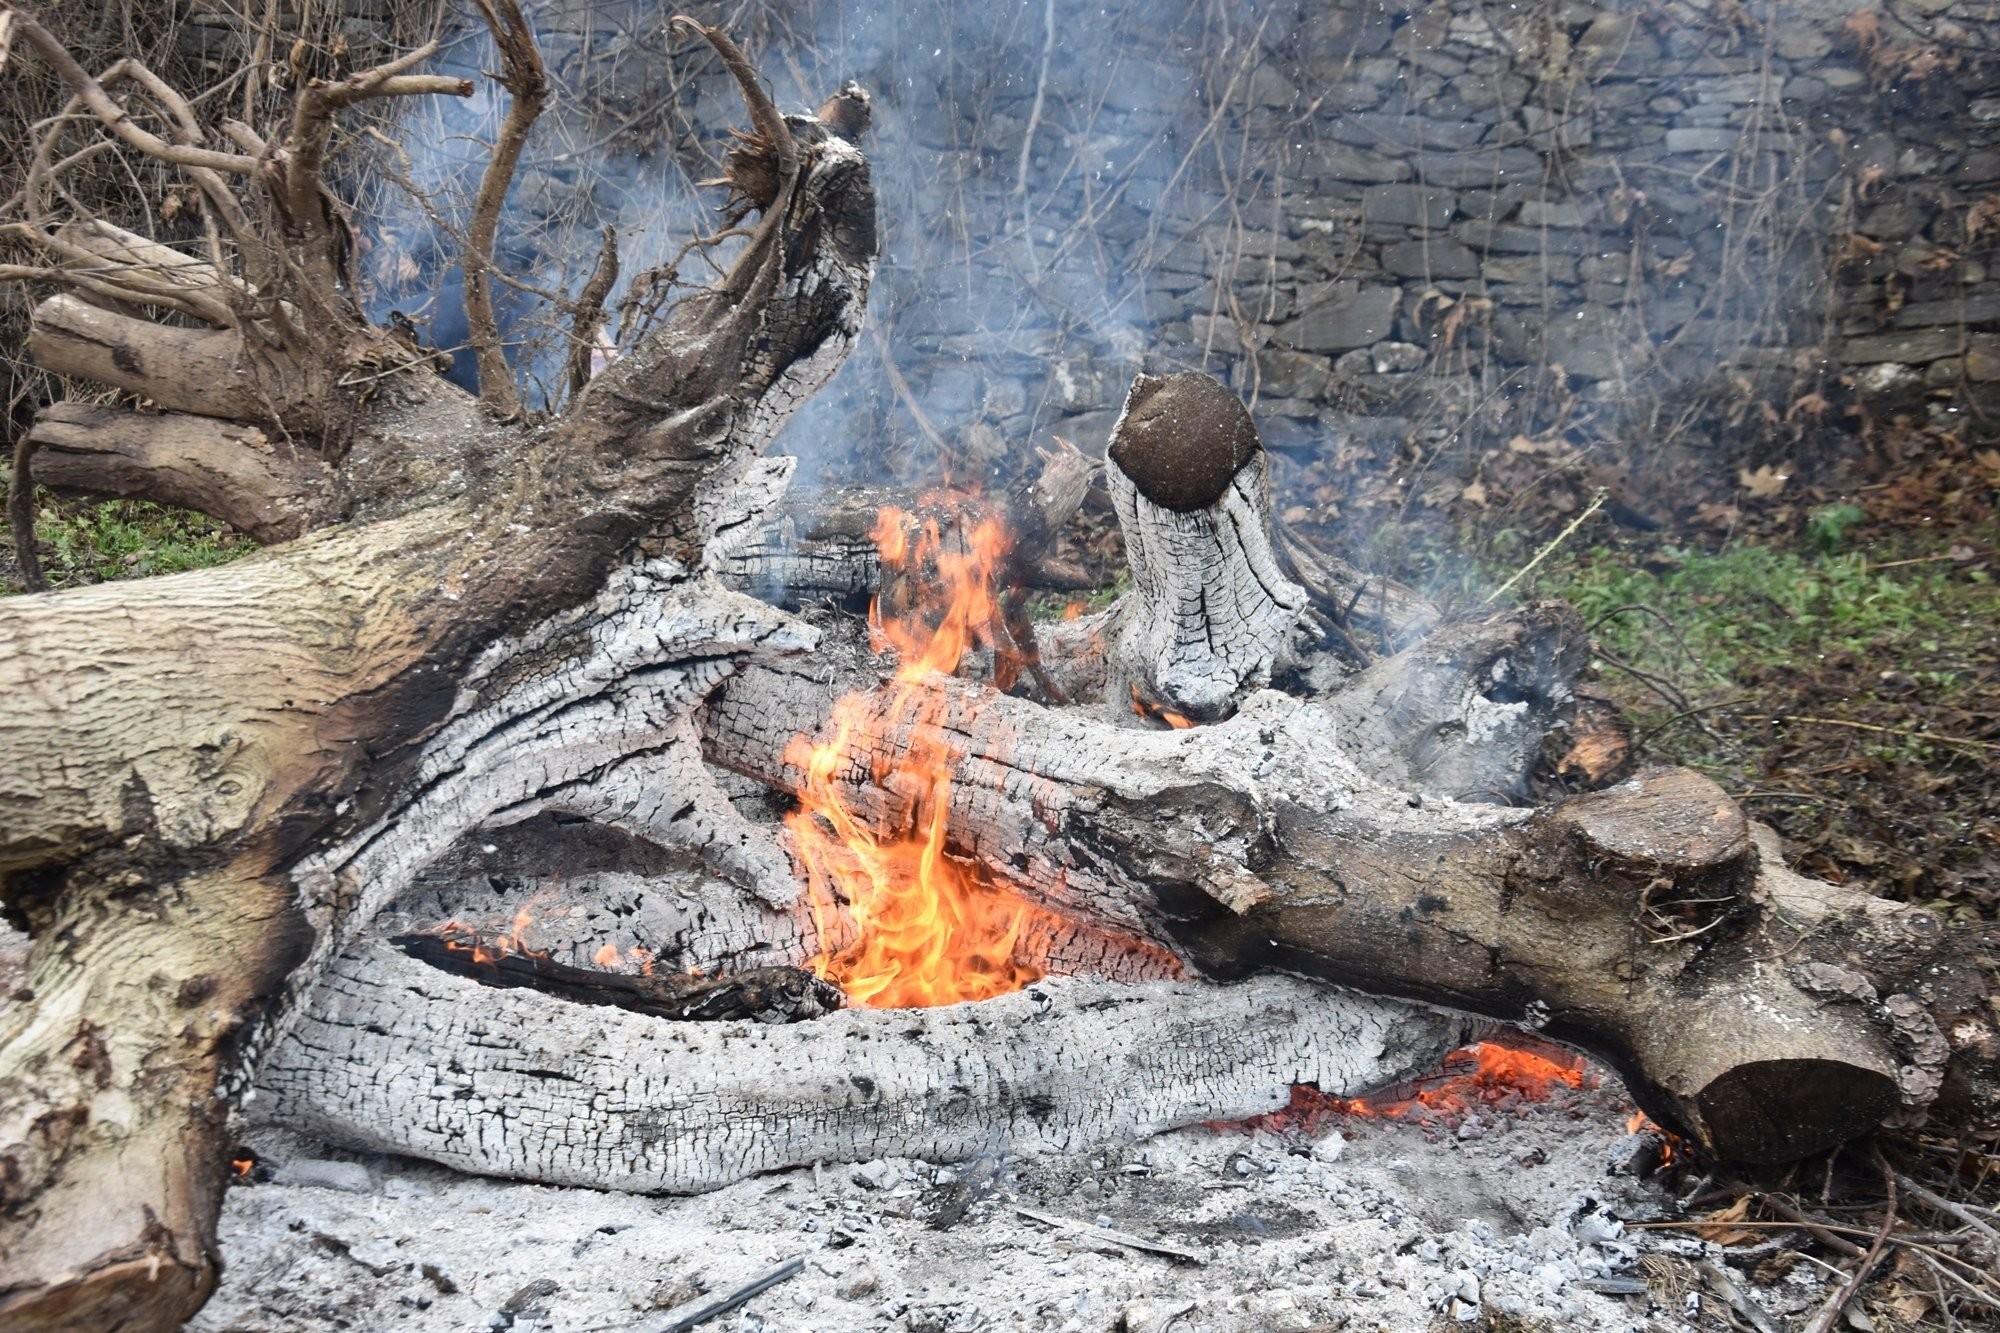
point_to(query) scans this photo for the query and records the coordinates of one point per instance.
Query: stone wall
(1636, 220)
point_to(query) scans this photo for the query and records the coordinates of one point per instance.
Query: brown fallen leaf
(1764, 483)
(1716, 1226)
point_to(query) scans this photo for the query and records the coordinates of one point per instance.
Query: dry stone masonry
(1372, 220)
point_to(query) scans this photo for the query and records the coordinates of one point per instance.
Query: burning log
(1639, 923)
(398, 1056)
(1321, 837)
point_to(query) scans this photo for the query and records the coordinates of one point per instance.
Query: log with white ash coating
(209, 783)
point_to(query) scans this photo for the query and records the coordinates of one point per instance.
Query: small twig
(21, 515)
(588, 315)
(1663, 687)
(1852, 1287)
(1123, 1238)
(1719, 1278)
(749, 1291)
(1871, 726)
(1919, 560)
(1596, 503)
(1034, 123)
(1944, 1205)
(901, 387)
(527, 85)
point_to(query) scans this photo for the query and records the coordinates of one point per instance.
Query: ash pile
(1479, 1202)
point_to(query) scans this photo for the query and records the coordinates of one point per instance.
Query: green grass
(85, 541)
(1710, 616)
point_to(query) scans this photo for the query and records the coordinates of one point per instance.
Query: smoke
(1035, 161)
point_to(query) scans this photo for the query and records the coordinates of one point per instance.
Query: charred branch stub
(1210, 611)
(766, 994)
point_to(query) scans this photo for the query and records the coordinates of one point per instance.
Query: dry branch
(230, 470)
(527, 91)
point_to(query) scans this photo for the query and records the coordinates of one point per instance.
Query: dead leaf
(1982, 217)
(1813, 405)
(1474, 494)
(1521, 444)
(1854, 248)
(1716, 1226)
(1764, 483)
(1719, 517)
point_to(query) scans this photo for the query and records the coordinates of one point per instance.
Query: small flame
(242, 1163)
(1485, 1074)
(1672, 1149)
(1073, 611)
(900, 923)
(1145, 707)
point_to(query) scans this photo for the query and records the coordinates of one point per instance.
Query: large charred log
(207, 780)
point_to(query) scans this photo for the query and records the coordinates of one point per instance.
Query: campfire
(900, 922)
(782, 900)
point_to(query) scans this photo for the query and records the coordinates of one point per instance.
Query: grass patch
(1707, 618)
(93, 541)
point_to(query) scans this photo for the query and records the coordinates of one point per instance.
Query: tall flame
(900, 923)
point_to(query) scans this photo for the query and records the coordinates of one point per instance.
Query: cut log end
(132, 1295)
(1775, 1111)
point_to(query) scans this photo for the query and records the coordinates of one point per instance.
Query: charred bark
(1764, 1015)
(203, 778)
(611, 1100)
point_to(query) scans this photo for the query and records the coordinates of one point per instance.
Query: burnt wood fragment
(766, 994)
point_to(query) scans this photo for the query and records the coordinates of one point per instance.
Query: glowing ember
(1672, 1147)
(1145, 707)
(900, 923)
(463, 939)
(1480, 1077)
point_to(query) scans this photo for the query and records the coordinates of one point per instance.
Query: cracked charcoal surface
(396, 1055)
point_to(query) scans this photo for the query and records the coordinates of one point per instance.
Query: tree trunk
(192, 768)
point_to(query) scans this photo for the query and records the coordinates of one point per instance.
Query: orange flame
(1145, 707)
(901, 924)
(1671, 1144)
(1481, 1075)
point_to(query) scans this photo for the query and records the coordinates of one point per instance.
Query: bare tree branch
(587, 315)
(526, 83)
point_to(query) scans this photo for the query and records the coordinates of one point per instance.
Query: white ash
(1364, 1225)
